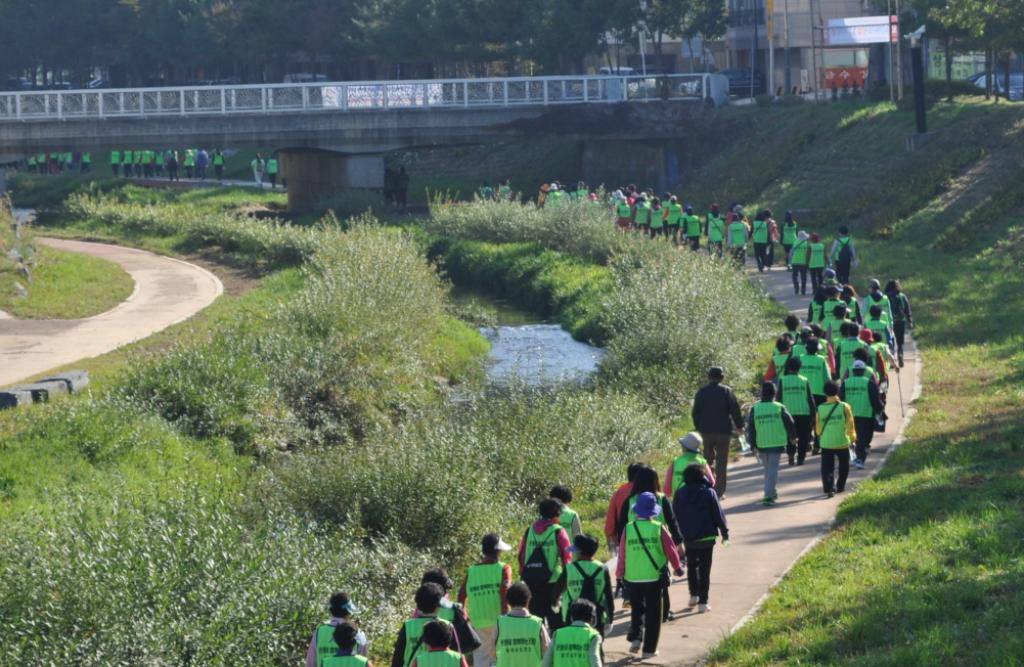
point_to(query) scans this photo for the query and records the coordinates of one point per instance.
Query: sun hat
(492, 543)
(691, 441)
(646, 506)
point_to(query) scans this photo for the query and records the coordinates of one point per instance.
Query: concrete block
(44, 391)
(75, 381)
(14, 397)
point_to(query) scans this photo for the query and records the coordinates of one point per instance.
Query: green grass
(926, 562)
(65, 285)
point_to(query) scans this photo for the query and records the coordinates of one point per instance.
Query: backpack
(537, 570)
(589, 589)
(845, 254)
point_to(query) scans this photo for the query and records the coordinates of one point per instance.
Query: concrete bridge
(332, 135)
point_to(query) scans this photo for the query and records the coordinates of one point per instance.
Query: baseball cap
(492, 543)
(859, 365)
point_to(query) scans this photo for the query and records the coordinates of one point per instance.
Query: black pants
(698, 569)
(799, 279)
(218, 169)
(740, 255)
(803, 438)
(865, 427)
(816, 278)
(761, 255)
(645, 598)
(786, 249)
(542, 603)
(716, 247)
(843, 272)
(899, 331)
(273, 180)
(694, 242)
(828, 472)
(172, 171)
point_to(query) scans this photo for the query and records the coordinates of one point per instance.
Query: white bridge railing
(345, 96)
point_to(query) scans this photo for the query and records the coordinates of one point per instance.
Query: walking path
(167, 291)
(765, 541)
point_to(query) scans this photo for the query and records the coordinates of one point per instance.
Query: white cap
(691, 441)
(859, 365)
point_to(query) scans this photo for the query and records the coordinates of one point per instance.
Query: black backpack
(536, 570)
(845, 254)
(589, 589)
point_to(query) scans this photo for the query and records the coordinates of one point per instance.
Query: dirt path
(765, 541)
(167, 291)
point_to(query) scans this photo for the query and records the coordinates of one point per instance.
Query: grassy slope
(66, 285)
(926, 561)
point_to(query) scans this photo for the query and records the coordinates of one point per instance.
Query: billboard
(862, 30)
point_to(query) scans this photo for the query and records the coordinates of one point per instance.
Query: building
(790, 23)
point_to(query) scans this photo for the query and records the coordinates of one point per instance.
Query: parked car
(740, 81)
(1016, 84)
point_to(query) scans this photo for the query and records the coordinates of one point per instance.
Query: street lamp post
(787, 77)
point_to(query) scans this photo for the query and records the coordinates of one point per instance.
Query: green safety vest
(692, 226)
(738, 234)
(675, 215)
(884, 303)
(794, 394)
(345, 661)
(519, 641)
(768, 424)
(877, 349)
(414, 646)
(571, 646)
(846, 348)
(814, 367)
(592, 569)
(789, 233)
(41, 158)
(716, 228)
(760, 232)
(86, 158)
(780, 359)
(271, 166)
(643, 214)
(445, 658)
(160, 158)
(68, 158)
(656, 220)
(799, 349)
(832, 417)
(32, 160)
(567, 518)
(147, 157)
(548, 542)
(631, 515)
(829, 307)
(830, 322)
(325, 646)
(127, 159)
(800, 252)
(852, 309)
(856, 391)
(680, 465)
(483, 593)
(218, 159)
(624, 210)
(639, 567)
(190, 158)
(817, 260)
(877, 326)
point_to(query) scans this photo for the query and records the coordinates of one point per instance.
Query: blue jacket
(698, 513)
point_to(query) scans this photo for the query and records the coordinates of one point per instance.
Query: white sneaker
(650, 655)
(693, 601)
(634, 647)
(704, 608)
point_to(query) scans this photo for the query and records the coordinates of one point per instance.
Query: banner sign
(862, 30)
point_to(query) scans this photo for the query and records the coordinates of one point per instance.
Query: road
(765, 541)
(167, 291)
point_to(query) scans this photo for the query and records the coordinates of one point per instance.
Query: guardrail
(347, 96)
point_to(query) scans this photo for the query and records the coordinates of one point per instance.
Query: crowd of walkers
(824, 393)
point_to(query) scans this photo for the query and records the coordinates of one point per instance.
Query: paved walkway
(167, 291)
(765, 541)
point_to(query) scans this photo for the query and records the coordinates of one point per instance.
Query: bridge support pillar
(314, 175)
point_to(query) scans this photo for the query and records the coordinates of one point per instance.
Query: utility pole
(891, 75)
(814, 54)
(899, 57)
(753, 49)
(770, 24)
(787, 77)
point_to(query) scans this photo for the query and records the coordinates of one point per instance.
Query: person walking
(860, 392)
(836, 429)
(465, 634)
(159, 163)
(589, 579)
(173, 161)
(770, 431)
(691, 444)
(714, 224)
(218, 164)
(760, 235)
(738, 236)
(522, 638)
(844, 255)
(790, 235)
(272, 169)
(86, 162)
(795, 393)
(623, 212)
(401, 187)
(257, 169)
(410, 637)
(716, 416)
(578, 644)
(701, 521)
(202, 162)
(115, 162)
(798, 257)
(655, 219)
(692, 225)
(543, 555)
(190, 162)
(816, 261)
(345, 637)
(647, 551)
(483, 594)
(876, 297)
(322, 645)
(437, 638)
(569, 519)
(902, 317)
